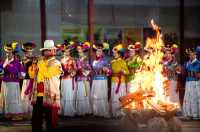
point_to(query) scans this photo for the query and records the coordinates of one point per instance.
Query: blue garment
(100, 77)
(192, 67)
(97, 65)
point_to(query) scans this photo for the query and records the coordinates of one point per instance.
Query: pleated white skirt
(99, 97)
(191, 102)
(83, 103)
(68, 96)
(10, 92)
(115, 104)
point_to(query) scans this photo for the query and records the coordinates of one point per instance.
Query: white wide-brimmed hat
(48, 44)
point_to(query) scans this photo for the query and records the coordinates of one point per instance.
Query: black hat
(28, 46)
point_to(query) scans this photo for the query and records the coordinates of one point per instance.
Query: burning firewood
(136, 97)
(167, 106)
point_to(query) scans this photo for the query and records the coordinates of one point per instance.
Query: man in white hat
(46, 92)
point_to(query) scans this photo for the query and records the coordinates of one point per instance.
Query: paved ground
(90, 124)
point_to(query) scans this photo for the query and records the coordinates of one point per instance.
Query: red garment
(40, 87)
(29, 89)
(99, 57)
(54, 116)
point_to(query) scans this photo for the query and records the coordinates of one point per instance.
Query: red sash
(118, 84)
(40, 87)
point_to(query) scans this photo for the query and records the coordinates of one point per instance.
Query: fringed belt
(83, 78)
(11, 76)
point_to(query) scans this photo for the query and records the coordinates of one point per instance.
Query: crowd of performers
(76, 86)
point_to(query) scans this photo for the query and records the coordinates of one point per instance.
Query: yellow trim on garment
(32, 71)
(46, 70)
(119, 65)
(40, 94)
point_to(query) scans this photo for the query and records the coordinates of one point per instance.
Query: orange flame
(149, 77)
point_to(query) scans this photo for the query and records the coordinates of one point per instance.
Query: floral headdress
(135, 47)
(12, 47)
(67, 45)
(104, 46)
(118, 48)
(85, 46)
(173, 49)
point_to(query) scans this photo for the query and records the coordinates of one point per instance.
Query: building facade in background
(113, 19)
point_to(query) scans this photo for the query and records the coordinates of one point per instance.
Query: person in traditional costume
(30, 68)
(134, 61)
(198, 75)
(198, 52)
(1, 76)
(10, 88)
(68, 84)
(83, 102)
(171, 70)
(192, 86)
(101, 71)
(46, 89)
(119, 86)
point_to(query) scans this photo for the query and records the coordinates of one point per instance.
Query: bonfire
(150, 86)
(148, 102)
